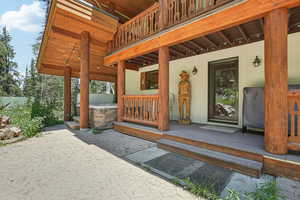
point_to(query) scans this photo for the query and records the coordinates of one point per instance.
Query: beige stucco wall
(249, 76)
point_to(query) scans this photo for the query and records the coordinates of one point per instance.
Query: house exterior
(225, 46)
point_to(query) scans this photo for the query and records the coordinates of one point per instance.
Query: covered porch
(280, 103)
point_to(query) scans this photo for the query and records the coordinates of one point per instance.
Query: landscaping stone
(290, 189)
(146, 155)
(171, 163)
(243, 183)
(214, 177)
(9, 132)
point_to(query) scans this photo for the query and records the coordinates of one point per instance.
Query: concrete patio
(60, 166)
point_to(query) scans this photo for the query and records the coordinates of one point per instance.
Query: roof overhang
(60, 46)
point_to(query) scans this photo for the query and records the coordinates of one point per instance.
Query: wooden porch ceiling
(246, 33)
(123, 9)
(61, 42)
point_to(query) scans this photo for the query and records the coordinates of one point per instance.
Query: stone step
(294, 146)
(242, 165)
(76, 119)
(72, 125)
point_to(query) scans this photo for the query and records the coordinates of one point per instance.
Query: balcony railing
(142, 109)
(148, 22)
(294, 113)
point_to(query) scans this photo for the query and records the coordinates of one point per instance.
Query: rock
(4, 121)
(9, 132)
(17, 131)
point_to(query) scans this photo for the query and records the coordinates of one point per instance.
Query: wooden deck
(197, 142)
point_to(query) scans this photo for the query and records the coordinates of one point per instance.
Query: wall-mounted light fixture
(195, 70)
(256, 62)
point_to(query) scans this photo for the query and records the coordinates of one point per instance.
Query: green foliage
(265, 191)
(46, 112)
(21, 116)
(233, 195)
(9, 76)
(201, 190)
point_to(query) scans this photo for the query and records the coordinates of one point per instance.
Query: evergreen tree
(9, 76)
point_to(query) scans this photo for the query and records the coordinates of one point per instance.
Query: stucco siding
(249, 76)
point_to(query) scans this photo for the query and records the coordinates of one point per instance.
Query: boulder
(9, 132)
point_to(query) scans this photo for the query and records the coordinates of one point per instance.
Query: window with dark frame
(149, 80)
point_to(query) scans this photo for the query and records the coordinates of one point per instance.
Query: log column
(84, 79)
(67, 94)
(121, 89)
(164, 58)
(276, 81)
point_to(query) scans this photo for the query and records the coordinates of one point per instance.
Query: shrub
(46, 112)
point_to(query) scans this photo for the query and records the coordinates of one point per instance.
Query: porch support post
(276, 81)
(84, 79)
(67, 94)
(121, 89)
(164, 58)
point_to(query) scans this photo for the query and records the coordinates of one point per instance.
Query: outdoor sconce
(195, 70)
(256, 61)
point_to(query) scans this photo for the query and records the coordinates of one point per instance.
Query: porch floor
(240, 141)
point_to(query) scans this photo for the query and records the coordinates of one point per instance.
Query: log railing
(138, 28)
(294, 113)
(179, 11)
(142, 109)
(147, 23)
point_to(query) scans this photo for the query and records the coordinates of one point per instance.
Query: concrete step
(242, 165)
(72, 125)
(294, 146)
(76, 119)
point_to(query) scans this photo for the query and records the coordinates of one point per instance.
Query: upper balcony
(161, 16)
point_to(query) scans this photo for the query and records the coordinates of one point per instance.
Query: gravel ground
(62, 166)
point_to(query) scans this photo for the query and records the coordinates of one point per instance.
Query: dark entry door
(223, 91)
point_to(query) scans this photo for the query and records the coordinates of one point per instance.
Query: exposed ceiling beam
(73, 35)
(117, 8)
(140, 60)
(243, 33)
(210, 42)
(227, 40)
(149, 58)
(187, 48)
(197, 45)
(56, 67)
(132, 66)
(152, 55)
(177, 52)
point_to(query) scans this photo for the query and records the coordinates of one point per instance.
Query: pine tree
(9, 76)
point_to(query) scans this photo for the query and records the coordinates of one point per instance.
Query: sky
(24, 21)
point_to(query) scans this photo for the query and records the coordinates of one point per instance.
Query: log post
(121, 89)
(276, 81)
(84, 79)
(163, 74)
(67, 94)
